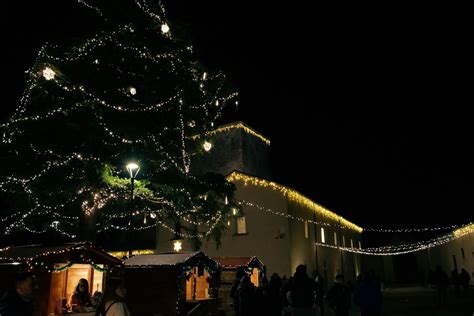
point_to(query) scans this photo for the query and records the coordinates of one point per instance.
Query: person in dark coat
(339, 297)
(442, 283)
(274, 292)
(456, 282)
(246, 293)
(300, 292)
(319, 300)
(368, 295)
(233, 291)
(464, 278)
(19, 300)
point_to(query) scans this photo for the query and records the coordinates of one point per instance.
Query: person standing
(19, 300)
(113, 301)
(339, 297)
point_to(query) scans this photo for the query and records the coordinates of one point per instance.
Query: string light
(48, 73)
(78, 97)
(207, 146)
(415, 229)
(239, 125)
(293, 196)
(165, 28)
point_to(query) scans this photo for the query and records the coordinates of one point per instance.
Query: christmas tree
(132, 93)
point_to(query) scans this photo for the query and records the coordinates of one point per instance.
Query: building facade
(277, 224)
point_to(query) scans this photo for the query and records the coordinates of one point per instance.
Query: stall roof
(236, 262)
(71, 251)
(169, 259)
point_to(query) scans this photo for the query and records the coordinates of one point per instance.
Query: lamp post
(133, 169)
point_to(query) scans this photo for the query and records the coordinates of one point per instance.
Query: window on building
(335, 238)
(343, 241)
(352, 243)
(462, 253)
(323, 238)
(360, 245)
(306, 230)
(241, 227)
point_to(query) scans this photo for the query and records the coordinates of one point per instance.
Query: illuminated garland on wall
(293, 196)
(415, 229)
(393, 250)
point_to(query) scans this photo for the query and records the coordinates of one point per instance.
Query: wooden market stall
(229, 267)
(171, 283)
(58, 270)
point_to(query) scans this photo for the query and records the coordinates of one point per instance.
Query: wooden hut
(229, 267)
(58, 270)
(171, 283)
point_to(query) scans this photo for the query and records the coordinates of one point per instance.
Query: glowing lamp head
(48, 73)
(207, 146)
(132, 90)
(133, 169)
(165, 28)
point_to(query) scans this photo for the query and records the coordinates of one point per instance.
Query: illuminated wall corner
(235, 147)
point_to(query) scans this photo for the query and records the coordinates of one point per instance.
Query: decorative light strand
(293, 196)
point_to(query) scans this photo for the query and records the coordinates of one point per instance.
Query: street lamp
(133, 169)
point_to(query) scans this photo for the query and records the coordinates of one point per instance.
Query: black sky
(367, 108)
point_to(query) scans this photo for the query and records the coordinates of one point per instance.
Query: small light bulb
(207, 146)
(165, 28)
(48, 73)
(132, 91)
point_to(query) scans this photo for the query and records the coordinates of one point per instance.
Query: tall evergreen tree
(133, 92)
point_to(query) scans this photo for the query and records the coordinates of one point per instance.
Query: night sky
(368, 109)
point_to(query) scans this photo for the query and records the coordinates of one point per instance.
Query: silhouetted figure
(319, 300)
(246, 293)
(431, 278)
(339, 297)
(368, 295)
(464, 278)
(300, 292)
(262, 298)
(442, 283)
(456, 282)
(18, 301)
(233, 290)
(274, 293)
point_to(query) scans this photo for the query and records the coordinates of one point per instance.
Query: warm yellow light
(293, 196)
(48, 73)
(177, 245)
(241, 125)
(207, 146)
(464, 230)
(234, 211)
(132, 90)
(165, 28)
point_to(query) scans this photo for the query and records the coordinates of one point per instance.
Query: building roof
(243, 126)
(83, 252)
(172, 259)
(294, 196)
(237, 262)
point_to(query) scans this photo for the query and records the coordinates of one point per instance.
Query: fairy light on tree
(130, 89)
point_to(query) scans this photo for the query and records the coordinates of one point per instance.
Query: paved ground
(420, 301)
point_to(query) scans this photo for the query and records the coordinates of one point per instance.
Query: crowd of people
(302, 295)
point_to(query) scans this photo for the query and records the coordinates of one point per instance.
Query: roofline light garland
(293, 196)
